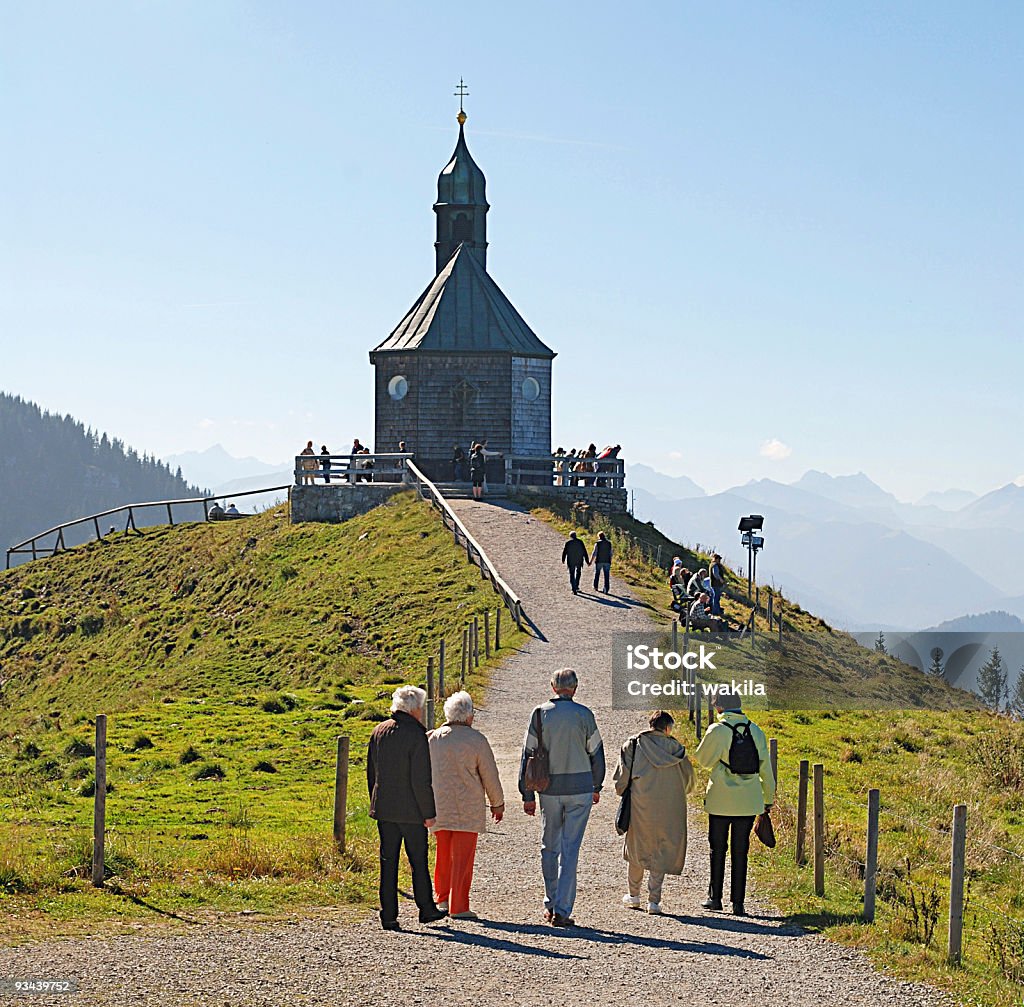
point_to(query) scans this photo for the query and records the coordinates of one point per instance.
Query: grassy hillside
(228, 658)
(922, 760)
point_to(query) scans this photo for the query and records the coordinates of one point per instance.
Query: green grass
(228, 658)
(922, 761)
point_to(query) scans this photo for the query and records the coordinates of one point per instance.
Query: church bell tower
(461, 205)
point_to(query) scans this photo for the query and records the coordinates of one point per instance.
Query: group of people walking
(447, 781)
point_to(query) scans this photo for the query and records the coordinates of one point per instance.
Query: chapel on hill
(462, 365)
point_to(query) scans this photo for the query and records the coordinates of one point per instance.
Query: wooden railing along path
(474, 552)
(37, 545)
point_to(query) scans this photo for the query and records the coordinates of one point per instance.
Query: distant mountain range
(54, 469)
(228, 476)
(217, 469)
(851, 551)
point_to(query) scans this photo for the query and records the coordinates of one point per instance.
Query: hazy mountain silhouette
(54, 469)
(215, 467)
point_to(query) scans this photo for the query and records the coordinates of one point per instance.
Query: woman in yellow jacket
(733, 800)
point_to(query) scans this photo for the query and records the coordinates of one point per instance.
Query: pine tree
(1016, 702)
(936, 668)
(992, 681)
(880, 643)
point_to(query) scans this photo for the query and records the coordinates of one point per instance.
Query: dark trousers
(602, 568)
(392, 835)
(719, 827)
(574, 577)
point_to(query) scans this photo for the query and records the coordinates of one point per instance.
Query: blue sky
(761, 237)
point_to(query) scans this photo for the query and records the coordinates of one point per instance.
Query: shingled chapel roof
(464, 311)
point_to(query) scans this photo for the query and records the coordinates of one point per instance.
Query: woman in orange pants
(465, 780)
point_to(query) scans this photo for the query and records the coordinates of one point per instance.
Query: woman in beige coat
(662, 777)
(464, 773)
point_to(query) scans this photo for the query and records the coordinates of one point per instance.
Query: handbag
(764, 830)
(625, 810)
(537, 772)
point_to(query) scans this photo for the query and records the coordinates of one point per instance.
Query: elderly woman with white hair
(466, 781)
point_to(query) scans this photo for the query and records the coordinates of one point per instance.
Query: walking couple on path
(575, 557)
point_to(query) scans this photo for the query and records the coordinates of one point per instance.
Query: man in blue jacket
(569, 732)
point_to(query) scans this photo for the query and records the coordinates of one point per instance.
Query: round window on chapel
(398, 387)
(531, 389)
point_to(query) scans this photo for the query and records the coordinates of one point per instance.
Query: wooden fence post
(956, 884)
(699, 711)
(487, 634)
(773, 758)
(497, 628)
(99, 814)
(819, 829)
(465, 653)
(675, 636)
(476, 642)
(711, 710)
(440, 671)
(341, 793)
(780, 622)
(871, 859)
(801, 814)
(428, 719)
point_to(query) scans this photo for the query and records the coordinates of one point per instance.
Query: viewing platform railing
(383, 467)
(556, 470)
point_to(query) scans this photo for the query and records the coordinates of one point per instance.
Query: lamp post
(754, 544)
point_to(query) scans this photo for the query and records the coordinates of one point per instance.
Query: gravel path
(509, 955)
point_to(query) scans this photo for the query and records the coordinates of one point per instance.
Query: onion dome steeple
(461, 205)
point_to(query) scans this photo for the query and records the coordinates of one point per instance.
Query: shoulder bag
(625, 811)
(537, 773)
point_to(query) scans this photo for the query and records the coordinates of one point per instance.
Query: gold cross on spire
(461, 93)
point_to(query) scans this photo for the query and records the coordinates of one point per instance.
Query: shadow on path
(598, 936)
(603, 599)
(483, 940)
(776, 926)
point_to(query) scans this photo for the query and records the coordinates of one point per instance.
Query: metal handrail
(19, 548)
(427, 490)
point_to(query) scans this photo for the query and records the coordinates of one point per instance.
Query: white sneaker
(443, 905)
(630, 903)
(654, 908)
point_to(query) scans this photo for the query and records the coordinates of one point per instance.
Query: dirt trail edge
(509, 956)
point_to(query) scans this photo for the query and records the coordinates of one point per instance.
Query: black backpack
(744, 759)
(476, 462)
